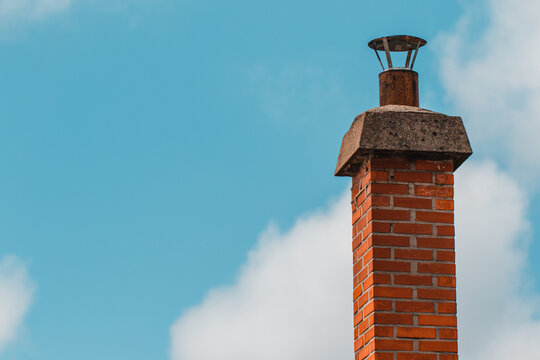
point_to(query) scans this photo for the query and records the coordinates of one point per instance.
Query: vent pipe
(398, 85)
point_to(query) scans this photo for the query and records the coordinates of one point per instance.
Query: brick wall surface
(403, 260)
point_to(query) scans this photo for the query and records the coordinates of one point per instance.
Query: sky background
(163, 160)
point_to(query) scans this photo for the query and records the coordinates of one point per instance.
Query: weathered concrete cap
(403, 130)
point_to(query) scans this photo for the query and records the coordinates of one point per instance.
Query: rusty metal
(397, 43)
(398, 87)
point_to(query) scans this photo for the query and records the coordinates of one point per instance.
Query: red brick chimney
(401, 159)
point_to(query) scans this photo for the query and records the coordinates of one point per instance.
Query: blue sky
(147, 144)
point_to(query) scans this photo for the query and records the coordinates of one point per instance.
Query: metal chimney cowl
(399, 125)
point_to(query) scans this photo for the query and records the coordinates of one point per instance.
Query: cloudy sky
(167, 186)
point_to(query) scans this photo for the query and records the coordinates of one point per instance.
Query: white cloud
(493, 78)
(15, 296)
(12, 11)
(495, 313)
(292, 299)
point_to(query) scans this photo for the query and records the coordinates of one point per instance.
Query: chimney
(401, 159)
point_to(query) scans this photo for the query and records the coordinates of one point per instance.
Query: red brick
(444, 346)
(435, 217)
(412, 202)
(437, 268)
(374, 175)
(415, 306)
(435, 243)
(445, 179)
(377, 279)
(392, 292)
(416, 332)
(436, 320)
(446, 308)
(445, 230)
(441, 204)
(416, 356)
(384, 344)
(436, 294)
(389, 163)
(387, 214)
(366, 349)
(448, 357)
(381, 356)
(448, 334)
(377, 188)
(413, 254)
(389, 265)
(380, 305)
(390, 240)
(425, 229)
(446, 281)
(390, 318)
(375, 200)
(402, 279)
(434, 191)
(448, 256)
(443, 166)
(420, 177)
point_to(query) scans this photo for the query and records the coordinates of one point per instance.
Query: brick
(360, 198)
(425, 229)
(437, 268)
(375, 200)
(358, 343)
(435, 243)
(446, 308)
(390, 265)
(436, 320)
(356, 215)
(358, 317)
(444, 230)
(443, 166)
(366, 350)
(377, 279)
(387, 344)
(448, 334)
(390, 240)
(389, 163)
(416, 356)
(436, 294)
(386, 214)
(421, 177)
(413, 254)
(448, 357)
(377, 226)
(380, 305)
(446, 281)
(412, 202)
(444, 179)
(381, 356)
(390, 318)
(444, 346)
(377, 188)
(435, 217)
(376, 253)
(392, 292)
(374, 175)
(434, 191)
(416, 332)
(441, 204)
(415, 306)
(448, 256)
(402, 279)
